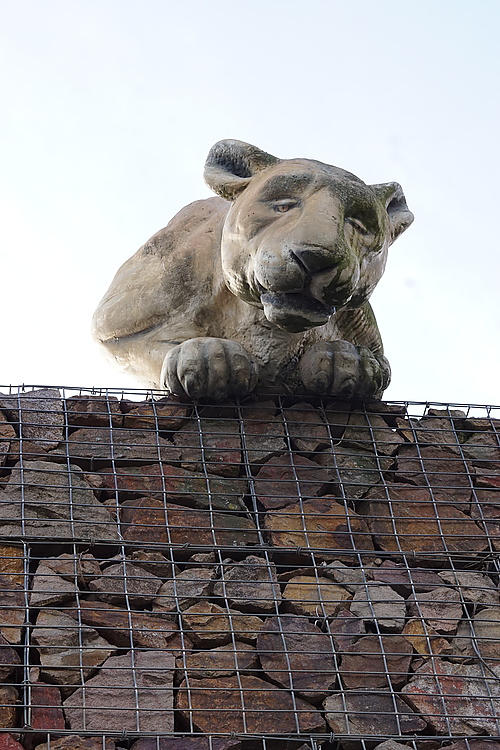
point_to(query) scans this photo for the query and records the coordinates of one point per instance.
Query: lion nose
(313, 258)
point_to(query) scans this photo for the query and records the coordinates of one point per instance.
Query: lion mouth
(294, 312)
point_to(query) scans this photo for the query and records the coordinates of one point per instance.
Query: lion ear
(392, 196)
(231, 165)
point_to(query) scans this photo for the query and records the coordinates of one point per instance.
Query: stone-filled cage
(279, 572)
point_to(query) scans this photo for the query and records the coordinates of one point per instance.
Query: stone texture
(218, 706)
(366, 714)
(473, 586)
(9, 700)
(437, 467)
(50, 588)
(221, 443)
(439, 427)
(40, 412)
(263, 432)
(44, 499)
(352, 470)
(93, 411)
(127, 694)
(313, 596)
(376, 662)
(456, 699)
(8, 742)
(281, 482)
(178, 485)
(209, 625)
(9, 660)
(404, 579)
(321, 524)
(425, 640)
(166, 414)
(126, 582)
(223, 661)
(74, 742)
(372, 433)
(147, 520)
(345, 630)
(298, 656)
(484, 449)
(250, 585)
(13, 612)
(189, 743)
(441, 608)
(350, 578)
(479, 637)
(307, 431)
(12, 564)
(46, 708)
(381, 604)
(7, 435)
(183, 592)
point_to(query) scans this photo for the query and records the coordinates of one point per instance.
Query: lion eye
(281, 207)
(358, 225)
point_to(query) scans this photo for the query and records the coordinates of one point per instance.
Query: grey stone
(126, 582)
(38, 415)
(377, 603)
(441, 608)
(183, 591)
(250, 585)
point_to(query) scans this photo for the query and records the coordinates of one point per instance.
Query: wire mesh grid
(273, 572)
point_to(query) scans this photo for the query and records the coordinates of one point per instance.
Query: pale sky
(109, 108)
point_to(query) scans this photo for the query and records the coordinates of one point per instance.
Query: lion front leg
(209, 368)
(342, 369)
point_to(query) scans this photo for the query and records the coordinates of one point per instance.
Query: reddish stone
(93, 411)
(46, 707)
(306, 429)
(166, 414)
(9, 659)
(9, 700)
(7, 434)
(376, 662)
(7, 742)
(488, 479)
(439, 468)
(405, 580)
(188, 743)
(220, 438)
(345, 630)
(263, 432)
(283, 481)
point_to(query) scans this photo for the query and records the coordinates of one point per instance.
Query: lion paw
(209, 368)
(341, 369)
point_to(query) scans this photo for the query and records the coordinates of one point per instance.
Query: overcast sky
(109, 108)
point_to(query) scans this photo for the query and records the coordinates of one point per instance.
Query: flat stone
(126, 582)
(49, 587)
(483, 638)
(263, 432)
(282, 480)
(306, 429)
(7, 435)
(484, 450)
(405, 580)
(12, 564)
(473, 586)
(425, 640)
(7, 742)
(351, 470)
(439, 468)
(371, 433)
(392, 745)
(74, 742)
(487, 478)
(209, 625)
(223, 661)
(46, 707)
(412, 525)
(485, 510)
(337, 416)
(93, 411)
(13, 612)
(357, 715)
(221, 443)
(381, 604)
(376, 662)
(98, 447)
(456, 699)
(345, 630)
(438, 429)
(313, 596)
(44, 499)
(38, 415)
(126, 695)
(441, 608)
(166, 414)
(247, 705)
(187, 743)
(350, 578)
(298, 656)
(154, 562)
(186, 589)
(9, 659)
(147, 520)
(9, 701)
(67, 649)
(250, 585)
(320, 524)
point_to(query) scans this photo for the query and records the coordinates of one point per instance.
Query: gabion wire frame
(273, 572)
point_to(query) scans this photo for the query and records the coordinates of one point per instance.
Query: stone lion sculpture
(267, 284)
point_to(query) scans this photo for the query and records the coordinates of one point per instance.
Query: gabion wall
(282, 571)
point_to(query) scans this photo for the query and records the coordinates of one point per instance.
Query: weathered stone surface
(376, 662)
(209, 625)
(93, 411)
(425, 640)
(250, 585)
(44, 499)
(441, 608)
(11, 564)
(67, 650)
(321, 524)
(307, 431)
(366, 713)
(345, 630)
(49, 587)
(409, 523)
(281, 481)
(313, 596)
(485, 510)
(220, 438)
(8, 742)
(102, 446)
(190, 743)
(9, 699)
(475, 744)
(372, 433)
(180, 486)
(263, 432)
(126, 582)
(166, 414)
(438, 467)
(218, 706)
(7, 435)
(9, 659)
(483, 638)
(74, 742)
(484, 449)
(456, 699)
(149, 520)
(487, 478)
(298, 656)
(375, 602)
(405, 580)
(189, 586)
(350, 578)
(46, 707)
(473, 586)
(439, 428)
(40, 412)
(222, 661)
(131, 695)
(352, 470)
(154, 562)
(13, 612)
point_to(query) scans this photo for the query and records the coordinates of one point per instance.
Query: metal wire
(275, 571)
